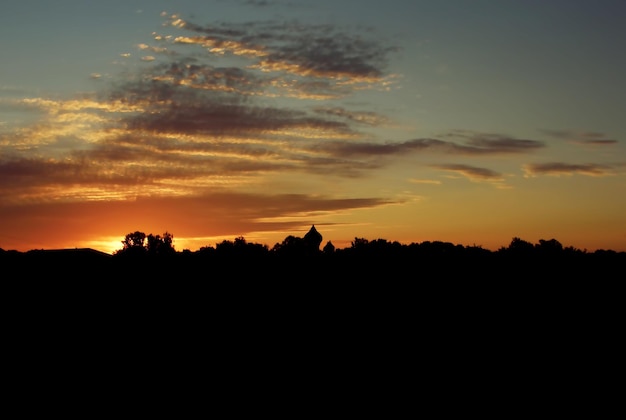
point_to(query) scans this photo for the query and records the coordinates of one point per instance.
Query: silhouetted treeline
(296, 258)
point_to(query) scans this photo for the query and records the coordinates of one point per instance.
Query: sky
(471, 122)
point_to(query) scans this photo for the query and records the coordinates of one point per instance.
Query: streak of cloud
(363, 117)
(567, 169)
(425, 181)
(590, 138)
(471, 172)
(473, 146)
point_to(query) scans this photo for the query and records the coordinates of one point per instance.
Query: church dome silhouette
(313, 238)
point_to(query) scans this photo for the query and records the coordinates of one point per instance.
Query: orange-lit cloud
(471, 172)
(425, 181)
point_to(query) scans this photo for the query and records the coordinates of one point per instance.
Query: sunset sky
(471, 122)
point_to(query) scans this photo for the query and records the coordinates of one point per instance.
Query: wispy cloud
(362, 117)
(425, 181)
(591, 138)
(567, 169)
(472, 146)
(265, 3)
(478, 143)
(471, 172)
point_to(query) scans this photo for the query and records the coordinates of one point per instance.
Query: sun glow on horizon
(107, 245)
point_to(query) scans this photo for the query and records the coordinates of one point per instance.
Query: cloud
(155, 49)
(187, 95)
(588, 137)
(471, 172)
(600, 142)
(261, 3)
(473, 146)
(567, 169)
(169, 109)
(362, 117)
(425, 181)
(303, 50)
(488, 143)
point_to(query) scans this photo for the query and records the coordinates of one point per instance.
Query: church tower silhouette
(313, 239)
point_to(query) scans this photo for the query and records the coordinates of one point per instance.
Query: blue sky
(463, 121)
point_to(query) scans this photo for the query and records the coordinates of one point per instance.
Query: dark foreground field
(439, 319)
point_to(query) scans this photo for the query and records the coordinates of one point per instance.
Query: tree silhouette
(160, 245)
(297, 257)
(138, 244)
(550, 247)
(133, 245)
(291, 246)
(520, 247)
(134, 240)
